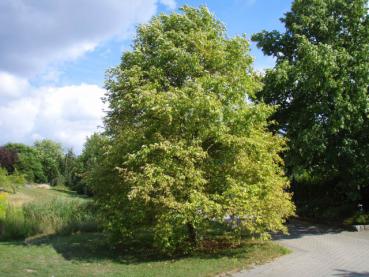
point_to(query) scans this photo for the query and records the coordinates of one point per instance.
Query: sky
(54, 54)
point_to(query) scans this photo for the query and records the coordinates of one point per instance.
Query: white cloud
(65, 114)
(11, 86)
(35, 33)
(36, 37)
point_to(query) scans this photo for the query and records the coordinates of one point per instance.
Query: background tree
(320, 84)
(88, 161)
(69, 168)
(28, 162)
(186, 148)
(50, 154)
(8, 158)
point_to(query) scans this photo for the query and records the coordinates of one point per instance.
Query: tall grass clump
(11, 182)
(3, 204)
(54, 216)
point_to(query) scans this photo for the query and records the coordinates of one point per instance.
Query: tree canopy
(50, 154)
(8, 158)
(187, 148)
(320, 84)
(28, 162)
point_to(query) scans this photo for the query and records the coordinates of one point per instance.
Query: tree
(186, 148)
(320, 84)
(69, 168)
(92, 152)
(8, 158)
(51, 155)
(28, 163)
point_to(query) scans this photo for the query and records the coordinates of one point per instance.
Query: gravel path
(318, 251)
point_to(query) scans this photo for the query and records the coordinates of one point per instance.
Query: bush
(56, 216)
(361, 219)
(11, 182)
(358, 219)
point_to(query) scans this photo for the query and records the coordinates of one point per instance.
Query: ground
(318, 251)
(89, 254)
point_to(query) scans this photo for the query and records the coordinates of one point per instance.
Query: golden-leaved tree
(187, 145)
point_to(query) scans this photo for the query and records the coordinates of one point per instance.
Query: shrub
(11, 182)
(358, 218)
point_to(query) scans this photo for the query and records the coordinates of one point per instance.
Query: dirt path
(318, 251)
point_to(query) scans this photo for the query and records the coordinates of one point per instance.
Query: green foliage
(86, 163)
(70, 167)
(3, 204)
(320, 85)
(186, 148)
(50, 155)
(361, 218)
(10, 182)
(28, 162)
(4, 180)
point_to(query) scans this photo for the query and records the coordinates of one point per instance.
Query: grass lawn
(89, 254)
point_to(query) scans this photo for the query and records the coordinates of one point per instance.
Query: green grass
(90, 255)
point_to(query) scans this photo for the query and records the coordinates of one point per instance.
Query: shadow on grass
(91, 247)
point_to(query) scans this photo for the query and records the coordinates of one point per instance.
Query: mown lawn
(89, 254)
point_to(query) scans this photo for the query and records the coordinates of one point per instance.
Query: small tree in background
(69, 168)
(186, 148)
(28, 163)
(51, 155)
(93, 150)
(8, 159)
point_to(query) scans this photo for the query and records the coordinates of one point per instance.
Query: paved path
(318, 251)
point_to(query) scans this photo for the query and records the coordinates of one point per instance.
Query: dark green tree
(320, 86)
(83, 166)
(70, 168)
(28, 162)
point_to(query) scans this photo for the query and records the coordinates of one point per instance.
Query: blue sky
(54, 54)
(239, 16)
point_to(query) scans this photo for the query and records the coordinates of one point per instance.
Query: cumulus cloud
(11, 86)
(66, 114)
(34, 33)
(39, 35)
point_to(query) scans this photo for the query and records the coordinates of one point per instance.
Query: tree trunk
(191, 233)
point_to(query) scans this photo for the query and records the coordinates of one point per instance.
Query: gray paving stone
(318, 251)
